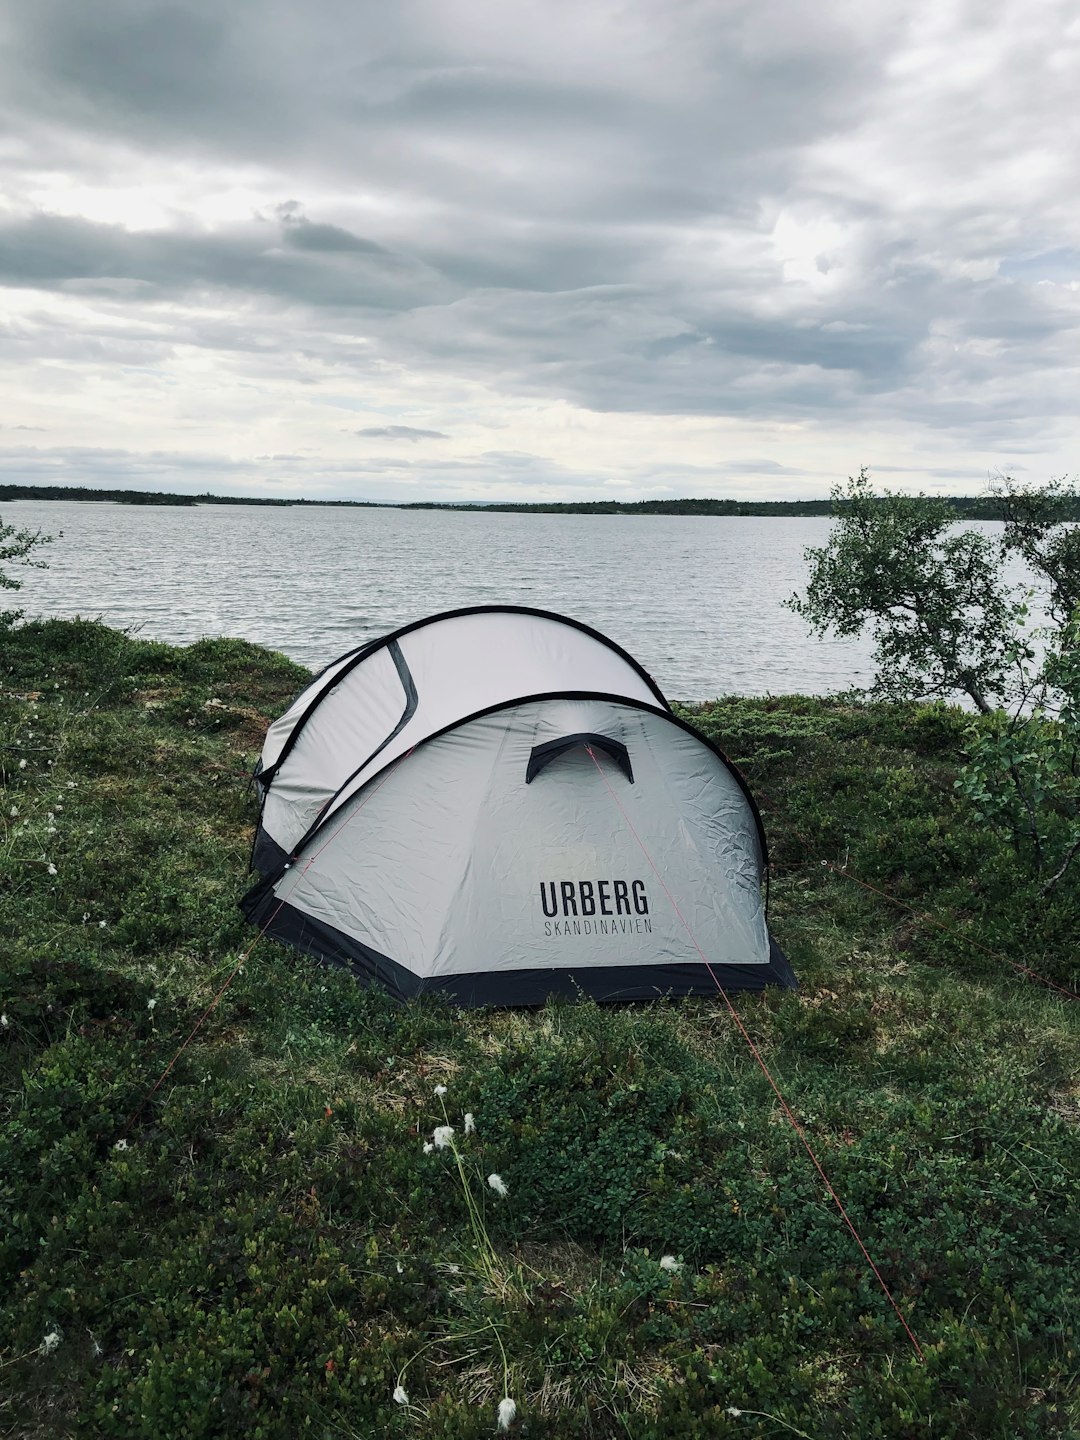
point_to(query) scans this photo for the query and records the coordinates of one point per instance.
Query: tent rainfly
(498, 804)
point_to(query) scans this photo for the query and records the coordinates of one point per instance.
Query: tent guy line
(760, 1060)
(925, 915)
(954, 934)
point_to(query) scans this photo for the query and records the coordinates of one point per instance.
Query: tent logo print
(595, 907)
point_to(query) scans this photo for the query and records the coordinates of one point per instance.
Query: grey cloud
(567, 203)
(304, 234)
(428, 91)
(53, 252)
(399, 432)
(756, 467)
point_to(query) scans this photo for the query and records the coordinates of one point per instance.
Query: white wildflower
(52, 869)
(5, 1021)
(151, 1002)
(101, 924)
(120, 1145)
(733, 1411)
(443, 1136)
(507, 1413)
(428, 1147)
(400, 1396)
(51, 1341)
(470, 1123)
(85, 916)
(399, 1267)
(22, 764)
(13, 811)
(498, 1184)
(71, 784)
(440, 1090)
(668, 1262)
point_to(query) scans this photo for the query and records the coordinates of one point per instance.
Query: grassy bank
(267, 1250)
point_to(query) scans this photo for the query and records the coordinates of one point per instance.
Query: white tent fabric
(500, 847)
(428, 676)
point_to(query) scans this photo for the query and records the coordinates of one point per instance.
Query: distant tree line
(153, 497)
(965, 507)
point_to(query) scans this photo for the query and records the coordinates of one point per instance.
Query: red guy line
(758, 1057)
(954, 934)
(922, 914)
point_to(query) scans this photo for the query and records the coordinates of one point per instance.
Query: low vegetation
(262, 1245)
(947, 621)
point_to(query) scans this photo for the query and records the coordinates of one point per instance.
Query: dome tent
(498, 804)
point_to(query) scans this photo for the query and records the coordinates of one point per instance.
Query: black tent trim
(327, 813)
(266, 852)
(543, 755)
(602, 983)
(265, 777)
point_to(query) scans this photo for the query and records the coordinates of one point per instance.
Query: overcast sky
(564, 249)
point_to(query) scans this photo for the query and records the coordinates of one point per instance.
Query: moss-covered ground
(262, 1247)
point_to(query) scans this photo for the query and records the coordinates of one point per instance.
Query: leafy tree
(946, 623)
(18, 546)
(1035, 528)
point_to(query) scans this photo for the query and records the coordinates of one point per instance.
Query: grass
(261, 1247)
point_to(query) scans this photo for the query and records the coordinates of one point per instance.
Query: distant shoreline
(967, 507)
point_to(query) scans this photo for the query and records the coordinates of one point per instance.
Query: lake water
(696, 599)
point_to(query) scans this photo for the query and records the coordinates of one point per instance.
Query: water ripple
(696, 599)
